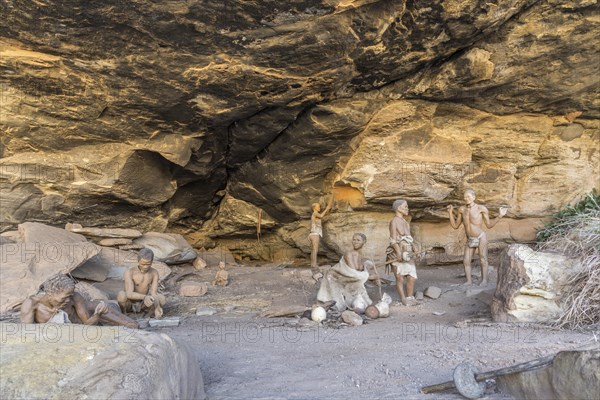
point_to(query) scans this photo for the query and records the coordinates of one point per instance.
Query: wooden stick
(526, 366)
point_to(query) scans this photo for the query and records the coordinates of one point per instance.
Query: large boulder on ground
(112, 263)
(572, 375)
(40, 252)
(530, 285)
(48, 361)
(170, 248)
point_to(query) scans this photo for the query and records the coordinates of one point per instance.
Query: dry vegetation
(575, 232)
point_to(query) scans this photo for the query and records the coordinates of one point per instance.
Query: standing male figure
(473, 216)
(141, 287)
(400, 253)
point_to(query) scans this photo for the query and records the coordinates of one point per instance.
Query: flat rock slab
(48, 361)
(115, 242)
(164, 322)
(206, 311)
(108, 232)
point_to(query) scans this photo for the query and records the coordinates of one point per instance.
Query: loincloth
(400, 268)
(473, 242)
(316, 230)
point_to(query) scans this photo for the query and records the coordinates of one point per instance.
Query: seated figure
(222, 276)
(345, 281)
(57, 302)
(141, 287)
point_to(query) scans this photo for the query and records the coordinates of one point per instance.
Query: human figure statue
(344, 283)
(316, 231)
(141, 287)
(222, 276)
(57, 302)
(473, 216)
(400, 254)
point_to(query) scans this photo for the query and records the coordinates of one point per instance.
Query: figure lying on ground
(57, 302)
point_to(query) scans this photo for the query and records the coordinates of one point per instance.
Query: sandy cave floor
(245, 356)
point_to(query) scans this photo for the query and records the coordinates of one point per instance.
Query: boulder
(47, 361)
(112, 263)
(433, 292)
(572, 375)
(90, 292)
(530, 285)
(193, 289)
(352, 318)
(170, 248)
(40, 252)
(237, 217)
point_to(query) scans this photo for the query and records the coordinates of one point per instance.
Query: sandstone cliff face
(199, 116)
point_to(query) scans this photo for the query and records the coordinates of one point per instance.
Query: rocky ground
(244, 355)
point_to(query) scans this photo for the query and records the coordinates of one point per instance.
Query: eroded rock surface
(196, 117)
(531, 285)
(49, 361)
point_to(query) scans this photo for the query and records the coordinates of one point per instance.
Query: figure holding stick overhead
(316, 231)
(473, 216)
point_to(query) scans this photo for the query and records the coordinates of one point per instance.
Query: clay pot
(372, 312)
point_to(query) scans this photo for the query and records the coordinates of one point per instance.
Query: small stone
(352, 318)
(419, 296)
(199, 264)
(164, 323)
(193, 289)
(205, 311)
(438, 313)
(433, 292)
(69, 226)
